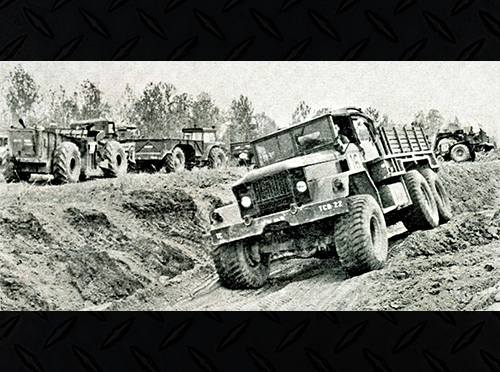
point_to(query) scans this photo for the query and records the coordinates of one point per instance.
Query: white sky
(469, 90)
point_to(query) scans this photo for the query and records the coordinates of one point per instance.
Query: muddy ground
(140, 243)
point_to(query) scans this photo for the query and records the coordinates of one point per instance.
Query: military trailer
(328, 186)
(198, 147)
(67, 154)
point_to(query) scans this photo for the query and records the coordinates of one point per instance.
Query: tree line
(159, 110)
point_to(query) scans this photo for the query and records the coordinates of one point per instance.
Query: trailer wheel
(67, 163)
(217, 158)
(360, 236)
(116, 160)
(240, 265)
(423, 214)
(439, 192)
(460, 153)
(176, 161)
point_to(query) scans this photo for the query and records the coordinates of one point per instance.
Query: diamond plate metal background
(231, 341)
(249, 30)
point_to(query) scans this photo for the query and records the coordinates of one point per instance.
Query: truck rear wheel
(439, 192)
(361, 236)
(240, 265)
(116, 159)
(460, 153)
(217, 159)
(423, 214)
(67, 164)
(176, 161)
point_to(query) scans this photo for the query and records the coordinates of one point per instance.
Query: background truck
(67, 154)
(242, 152)
(327, 186)
(461, 146)
(198, 147)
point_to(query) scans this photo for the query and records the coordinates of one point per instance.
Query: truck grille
(273, 194)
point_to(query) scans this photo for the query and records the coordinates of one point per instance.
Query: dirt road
(140, 243)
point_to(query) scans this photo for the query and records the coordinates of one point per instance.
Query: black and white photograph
(243, 186)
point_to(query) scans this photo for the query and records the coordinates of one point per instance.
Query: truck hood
(298, 162)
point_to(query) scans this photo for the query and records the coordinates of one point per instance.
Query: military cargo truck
(328, 186)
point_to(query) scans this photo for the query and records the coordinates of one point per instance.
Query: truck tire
(440, 194)
(67, 163)
(116, 160)
(237, 268)
(423, 214)
(217, 158)
(176, 161)
(360, 236)
(460, 153)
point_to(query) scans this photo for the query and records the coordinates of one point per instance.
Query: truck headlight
(246, 202)
(301, 186)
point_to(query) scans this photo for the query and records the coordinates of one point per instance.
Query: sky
(468, 90)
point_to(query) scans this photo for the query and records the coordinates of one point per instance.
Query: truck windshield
(275, 149)
(303, 139)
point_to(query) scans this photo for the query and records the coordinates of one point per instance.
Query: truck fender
(361, 183)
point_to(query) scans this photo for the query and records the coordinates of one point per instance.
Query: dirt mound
(472, 186)
(76, 246)
(488, 156)
(469, 229)
(16, 223)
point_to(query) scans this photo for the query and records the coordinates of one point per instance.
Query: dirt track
(139, 243)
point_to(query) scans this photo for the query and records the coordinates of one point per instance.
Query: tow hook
(247, 220)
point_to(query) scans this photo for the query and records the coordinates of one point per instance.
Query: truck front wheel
(423, 214)
(241, 265)
(66, 165)
(361, 236)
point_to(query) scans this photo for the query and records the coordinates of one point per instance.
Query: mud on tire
(237, 268)
(116, 160)
(67, 163)
(361, 236)
(440, 194)
(423, 214)
(217, 158)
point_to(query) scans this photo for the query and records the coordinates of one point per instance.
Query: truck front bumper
(232, 227)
